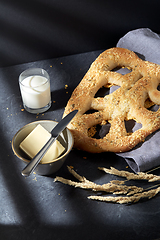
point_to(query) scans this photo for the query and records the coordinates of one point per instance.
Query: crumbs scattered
(22, 109)
(61, 63)
(50, 65)
(126, 166)
(54, 101)
(71, 167)
(84, 157)
(34, 179)
(66, 86)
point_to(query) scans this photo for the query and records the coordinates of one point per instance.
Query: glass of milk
(35, 90)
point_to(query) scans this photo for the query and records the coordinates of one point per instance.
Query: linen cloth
(146, 44)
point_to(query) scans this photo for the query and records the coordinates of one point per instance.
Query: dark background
(37, 208)
(32, 30)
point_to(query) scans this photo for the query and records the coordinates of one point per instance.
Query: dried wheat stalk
(131, 176)
(132, 199)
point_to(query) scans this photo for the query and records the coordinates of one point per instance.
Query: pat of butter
(33, 143)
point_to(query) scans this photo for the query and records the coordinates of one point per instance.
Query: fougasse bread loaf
(129, 101)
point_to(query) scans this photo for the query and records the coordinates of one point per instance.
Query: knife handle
(37, 158)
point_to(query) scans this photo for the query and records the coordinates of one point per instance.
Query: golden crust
(127, 102)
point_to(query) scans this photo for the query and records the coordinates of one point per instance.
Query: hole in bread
(122, 70)
(153, 108)
(99, 131)
(102, 92)
(132, 126)
(114, 88)
(106, 90)
(149, 104)
(91, 111)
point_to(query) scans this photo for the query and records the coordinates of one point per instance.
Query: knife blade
(54, 135)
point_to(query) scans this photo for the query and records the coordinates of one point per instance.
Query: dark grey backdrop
(33, 30)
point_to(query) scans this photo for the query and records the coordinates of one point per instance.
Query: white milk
(35, 91)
